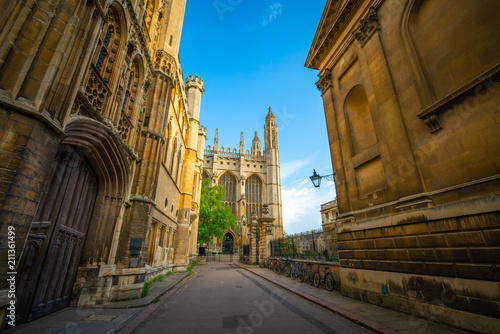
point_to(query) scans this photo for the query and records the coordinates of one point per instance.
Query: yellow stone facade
(410, 92)
(101, 150)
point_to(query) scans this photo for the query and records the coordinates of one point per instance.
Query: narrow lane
(222, 298)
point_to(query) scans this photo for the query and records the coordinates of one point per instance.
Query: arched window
(253, 193)
(131, 90)
(109, 44)
(153, 236)
(205, 175)
(104, 48)
(168, 133)
(228, 181)
(172, 157)
(180, 161)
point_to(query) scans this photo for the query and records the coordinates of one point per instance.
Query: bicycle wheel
(277, 268)
(301, 274)
(329, 282)
(310, 276)
(287, 271)
(317, 279)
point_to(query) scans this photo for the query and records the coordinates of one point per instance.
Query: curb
(145, 303)
(359, 320)
(142, 306)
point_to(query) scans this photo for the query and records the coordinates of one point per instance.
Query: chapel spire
(271, 131)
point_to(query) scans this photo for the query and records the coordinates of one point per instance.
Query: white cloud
(290, 167)
(273, 12)
(301, 205)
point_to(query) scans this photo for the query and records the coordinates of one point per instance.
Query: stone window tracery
(131, 90)
(109, 44)
(253, 193)
(228, 181)
(104, 49)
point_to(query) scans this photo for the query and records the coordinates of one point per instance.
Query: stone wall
(464, 247)
(81, 73)
(412, 123)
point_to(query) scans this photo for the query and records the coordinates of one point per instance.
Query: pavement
(372, 317)
(124, 316)
(101, 319)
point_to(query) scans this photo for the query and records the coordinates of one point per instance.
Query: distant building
(309, 243)
(411, 97)
(329, 212)
(251, 178)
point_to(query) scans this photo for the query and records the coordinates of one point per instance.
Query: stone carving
(433, 122)
(329, 34)
(96, 91)
(324, 82)
(124, 127)
(265, 210)
(367, 26)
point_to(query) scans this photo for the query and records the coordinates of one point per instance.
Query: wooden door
(51, 255)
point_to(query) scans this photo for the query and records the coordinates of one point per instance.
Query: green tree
(214, 217)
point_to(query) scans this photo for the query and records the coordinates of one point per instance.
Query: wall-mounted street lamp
(316, 178)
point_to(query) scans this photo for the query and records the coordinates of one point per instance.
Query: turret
(273, 170)
(194, 92)
(256, 148)
(170, 36)
(270, 131)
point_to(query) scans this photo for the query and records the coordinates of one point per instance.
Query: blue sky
(251, 55)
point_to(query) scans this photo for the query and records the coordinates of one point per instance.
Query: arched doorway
(228, 244)
(51, 255)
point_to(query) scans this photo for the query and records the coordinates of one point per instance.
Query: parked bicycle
(295, 270)
(325, 277)
(244, 259)
(288, 268)
(271, 262)
(307, 274)
(279, 266)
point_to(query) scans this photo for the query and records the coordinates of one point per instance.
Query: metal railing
(220, 257)
(310, 246)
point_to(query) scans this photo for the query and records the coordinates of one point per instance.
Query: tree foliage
(214, 217)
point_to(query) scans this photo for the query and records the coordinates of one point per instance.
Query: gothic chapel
(101, 150)
(251, 179)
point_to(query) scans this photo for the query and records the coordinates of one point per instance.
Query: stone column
(266, 233)
(253, 227)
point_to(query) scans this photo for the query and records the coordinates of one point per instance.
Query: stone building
(312, 243)
(251, 179)
(411, 99)
(329, 212)
(101, 150)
